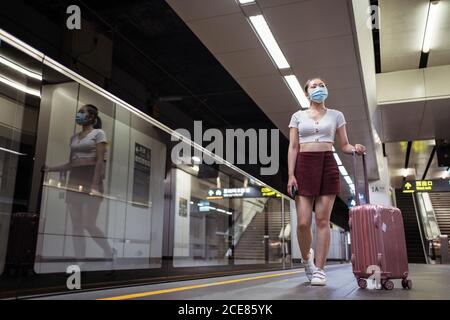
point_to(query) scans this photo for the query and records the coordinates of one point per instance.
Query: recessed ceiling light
(246, 1)
(338, 160)
(267, 38)
(297, 91)
(343, 171)
(429, 29)
(349, 180)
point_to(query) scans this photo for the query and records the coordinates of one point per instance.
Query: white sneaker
(319, 278)
(309, 265)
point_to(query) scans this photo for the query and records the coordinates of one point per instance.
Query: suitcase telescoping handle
(366, 180)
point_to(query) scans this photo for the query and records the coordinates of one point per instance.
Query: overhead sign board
(442, 185)
(250, 192)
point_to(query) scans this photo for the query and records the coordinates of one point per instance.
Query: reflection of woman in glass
(85, 186)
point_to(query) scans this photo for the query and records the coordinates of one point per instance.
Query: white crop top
(86, 147)
(323, 130)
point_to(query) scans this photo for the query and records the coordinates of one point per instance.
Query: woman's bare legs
(90, 214)
(304, 219)
(324, 206)
(79, 243)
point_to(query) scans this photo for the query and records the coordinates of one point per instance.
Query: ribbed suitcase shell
(378, 241)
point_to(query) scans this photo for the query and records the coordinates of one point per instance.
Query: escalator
(414, 245)
(441, 206)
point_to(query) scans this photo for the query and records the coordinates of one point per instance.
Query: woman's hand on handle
(360, 149)
(292, 182)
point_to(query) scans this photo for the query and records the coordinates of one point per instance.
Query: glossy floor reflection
(430, 282)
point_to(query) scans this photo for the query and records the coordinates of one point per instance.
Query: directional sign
(408, 188)
(442, 185)
(250, 192)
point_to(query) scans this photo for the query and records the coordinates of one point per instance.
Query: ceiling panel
(277, 104)
(440, 50)
(437, 81)
(402, 30)
(248, 63)
(281, 120)
(272, 85)
(436, 121)
(347, 97)
(337, 78)
(357, 136)
(329, 52)
(225, 33)
(201, 9)
(277, 3)
(400, 121)
(299, 21)
(354, 113)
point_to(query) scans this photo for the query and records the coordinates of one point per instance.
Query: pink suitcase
(378, 242)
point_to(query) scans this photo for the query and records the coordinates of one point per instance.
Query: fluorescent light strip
(246, 1)
(20, 69)
(20, 87)
(430, 27)
(266, 36)
(343, 171)
(338, 160)
(12, 152)
(349, 180)
(297, 90)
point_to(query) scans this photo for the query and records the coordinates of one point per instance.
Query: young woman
(314, 172)
(85, 185)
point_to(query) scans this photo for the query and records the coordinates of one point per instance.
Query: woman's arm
(293, 150)
(346, 147)
(65, 167)
(292, 157)
(99, 165)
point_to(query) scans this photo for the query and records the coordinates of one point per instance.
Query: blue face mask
(319, 94)
(80, 118)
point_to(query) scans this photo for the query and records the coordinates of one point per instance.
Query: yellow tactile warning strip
(199, 286)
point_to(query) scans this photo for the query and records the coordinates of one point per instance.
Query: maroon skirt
(317, 174)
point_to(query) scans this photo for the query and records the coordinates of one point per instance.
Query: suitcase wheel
(388, 285)
(362, 283)
(407, 284)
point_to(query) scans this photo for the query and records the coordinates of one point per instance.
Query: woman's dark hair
(93, 111)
